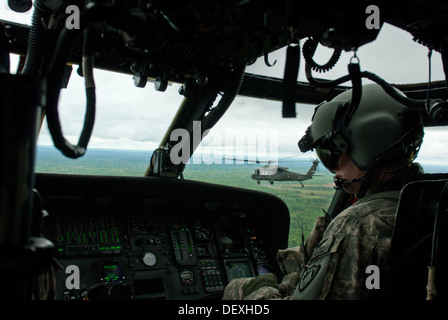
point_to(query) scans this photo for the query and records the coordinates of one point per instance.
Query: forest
(304, 203)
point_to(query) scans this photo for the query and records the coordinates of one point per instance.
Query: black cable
(429, 79)
(36, 39)
(87, 68)
(65, 44)
(325, 83)
(355, 76)
(409, 102)
(226, 100)
(309, 48)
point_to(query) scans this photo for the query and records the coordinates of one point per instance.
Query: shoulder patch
(307, 276)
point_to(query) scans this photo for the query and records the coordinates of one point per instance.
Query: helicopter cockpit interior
(159, 236)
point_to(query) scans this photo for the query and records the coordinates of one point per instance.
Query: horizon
(429, 167)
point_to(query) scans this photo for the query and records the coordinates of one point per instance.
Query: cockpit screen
(238, 269)
(111, 272)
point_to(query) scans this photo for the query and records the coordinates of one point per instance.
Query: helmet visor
(329, 155)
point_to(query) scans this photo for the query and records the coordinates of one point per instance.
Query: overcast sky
(136, 118)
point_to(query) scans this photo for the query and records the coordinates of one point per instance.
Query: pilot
(370, 149)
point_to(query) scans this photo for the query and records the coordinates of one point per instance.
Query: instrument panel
(144, 238)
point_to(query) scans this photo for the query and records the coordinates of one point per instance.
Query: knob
(149, 259)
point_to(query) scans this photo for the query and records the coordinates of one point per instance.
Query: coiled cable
(309, 47)
(66, 43)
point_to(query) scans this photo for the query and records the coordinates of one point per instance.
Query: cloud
(137, 118)
(434, 149)
(126, 117)
(394, 56)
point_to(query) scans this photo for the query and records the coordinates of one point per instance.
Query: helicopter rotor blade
(296, 160)
(247, 161)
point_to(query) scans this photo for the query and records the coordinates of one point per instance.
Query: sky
(136, 118)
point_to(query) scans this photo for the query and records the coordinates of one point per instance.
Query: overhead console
(152, 238)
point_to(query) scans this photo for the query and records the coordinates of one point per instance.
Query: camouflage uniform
(290, 260)
(356, 238)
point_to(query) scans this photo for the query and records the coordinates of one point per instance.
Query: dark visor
(328, 154)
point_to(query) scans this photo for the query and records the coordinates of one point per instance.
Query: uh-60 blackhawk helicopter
(273, 173)
(153, 237)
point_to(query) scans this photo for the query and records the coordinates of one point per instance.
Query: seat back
(418, 241)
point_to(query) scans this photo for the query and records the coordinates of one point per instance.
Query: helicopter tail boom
(312, 170)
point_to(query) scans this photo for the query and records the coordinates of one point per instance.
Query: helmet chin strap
(366, 180)
(341, 183)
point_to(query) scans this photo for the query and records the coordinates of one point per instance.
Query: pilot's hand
(289, 283)
(262, 287)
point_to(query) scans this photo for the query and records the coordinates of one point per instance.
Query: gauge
(232, 244)
(111, 272)
(186, 277)
(149, 259)
(202, 231)
(227, 243)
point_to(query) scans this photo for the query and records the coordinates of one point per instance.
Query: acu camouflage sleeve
(356, 238)
(290, 261)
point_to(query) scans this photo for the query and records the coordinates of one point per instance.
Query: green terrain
(304, 204)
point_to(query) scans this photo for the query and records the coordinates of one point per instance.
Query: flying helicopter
(273, 173)
(148, 246)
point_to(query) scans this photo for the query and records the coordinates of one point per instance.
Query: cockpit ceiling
(178, 40)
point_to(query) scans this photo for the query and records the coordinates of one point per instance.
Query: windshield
(252, 138)
(129, 124)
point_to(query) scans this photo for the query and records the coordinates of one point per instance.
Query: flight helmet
(380, 131)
